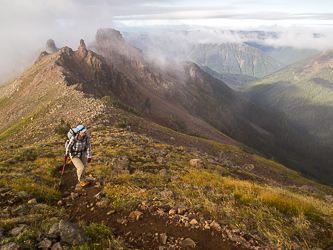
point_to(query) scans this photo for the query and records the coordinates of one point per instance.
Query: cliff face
(169, 99)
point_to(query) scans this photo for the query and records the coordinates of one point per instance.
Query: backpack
(71, 133)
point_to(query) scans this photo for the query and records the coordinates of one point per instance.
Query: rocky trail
(148, 226)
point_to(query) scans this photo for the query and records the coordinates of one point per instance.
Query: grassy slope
(245, 198)
(305, 100)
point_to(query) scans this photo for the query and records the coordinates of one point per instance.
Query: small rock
(232, 226)
(45, 244)
(215, 225)
(197, 206)
(78, 188)
(187, 243)
(295, 246)
(182, 210)
(136, 215)
(163, 238)
(197, 163)
(167, 193)
(33, 201)
(100, 195)
(6, 210)
(161, 160)
(98, 185)
(172, 211)
(111, 212)
(57, 246)
(23, 194)
(194, 222)
(122, 221)
(208, 189)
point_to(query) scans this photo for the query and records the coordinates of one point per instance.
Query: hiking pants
(80, 164)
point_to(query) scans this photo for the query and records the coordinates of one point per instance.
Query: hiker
(79, 150)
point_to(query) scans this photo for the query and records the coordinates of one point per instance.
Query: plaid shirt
(80, 146)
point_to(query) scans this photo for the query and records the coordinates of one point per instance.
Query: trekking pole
(63, 168)
(62, 173)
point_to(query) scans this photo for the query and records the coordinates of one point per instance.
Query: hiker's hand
(89, 160)
(65, 157)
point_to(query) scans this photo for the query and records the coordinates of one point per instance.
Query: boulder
(18, 230)
(122, 166)
(166, 174)
(14, 246)
(329, 198)
(55, 229)
(69, 234)
(197, 163)
(20, 210)
(167, 193)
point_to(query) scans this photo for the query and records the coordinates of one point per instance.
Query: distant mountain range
(249, 58)
(285, 55)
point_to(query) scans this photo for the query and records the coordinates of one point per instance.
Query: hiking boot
(84, 183)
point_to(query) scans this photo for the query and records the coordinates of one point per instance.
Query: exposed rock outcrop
(51, 47)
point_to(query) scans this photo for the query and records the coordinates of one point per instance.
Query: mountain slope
(286, 54)
(181, 97)
(235, 81)
(159, 185)
(234, 58)
(229, 58)
(303, 92)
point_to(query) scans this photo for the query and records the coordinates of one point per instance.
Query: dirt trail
(137, 234)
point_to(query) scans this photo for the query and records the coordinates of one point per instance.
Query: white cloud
(26, 25)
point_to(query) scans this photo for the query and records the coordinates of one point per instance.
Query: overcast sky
(25, 25)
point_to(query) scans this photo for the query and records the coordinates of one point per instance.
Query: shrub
(288, 205)
(121, 124)
(62, 128)
(98, 232)
(27, 154)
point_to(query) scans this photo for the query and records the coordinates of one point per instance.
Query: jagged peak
(82, 44)
(108, 34)
(51, 47)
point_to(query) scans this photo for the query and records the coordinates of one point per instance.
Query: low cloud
(27, 25)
